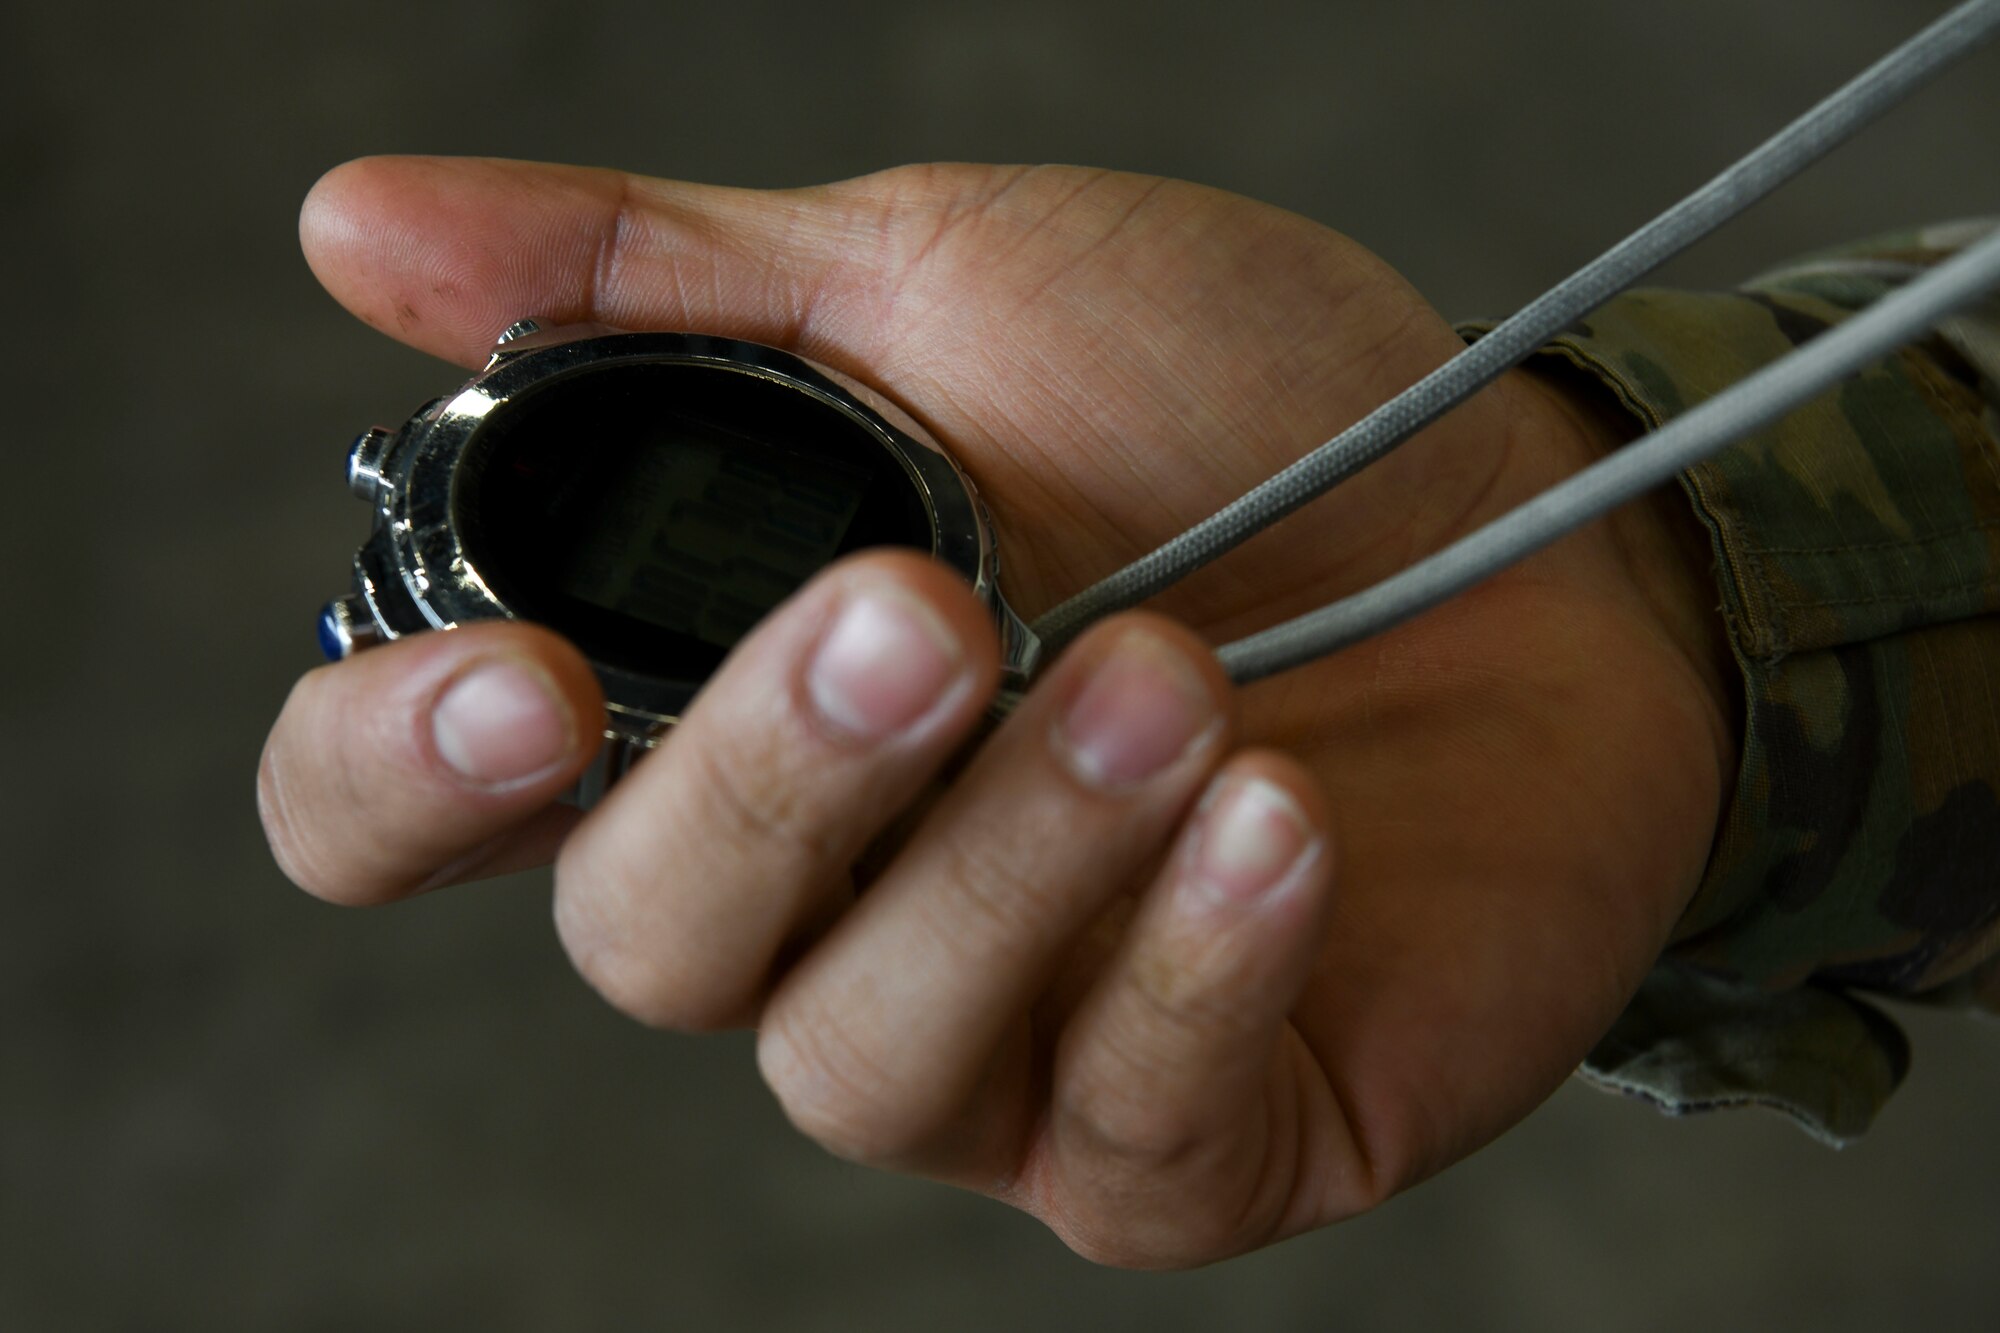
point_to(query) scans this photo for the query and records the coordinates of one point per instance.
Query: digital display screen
(653, 511)
(704, 536)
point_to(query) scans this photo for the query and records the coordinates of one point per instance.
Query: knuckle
(631, 984)
(836, 1095)
(651, 985)
(753, 795)
(1150, 1191)
(1136, 1134)
(1001, 908)
(1170, 1034)
(644, 903)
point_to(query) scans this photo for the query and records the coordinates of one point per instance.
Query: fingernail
(1249, 843)
(885, 663)
(1142, 709)
(501, 723)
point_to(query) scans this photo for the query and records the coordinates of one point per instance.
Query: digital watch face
(653, 511)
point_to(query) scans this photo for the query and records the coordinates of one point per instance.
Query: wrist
(1666, 550)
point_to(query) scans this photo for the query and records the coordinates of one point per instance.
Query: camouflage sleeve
(1857, 548)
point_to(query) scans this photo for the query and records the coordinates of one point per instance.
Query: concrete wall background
(223, 1105)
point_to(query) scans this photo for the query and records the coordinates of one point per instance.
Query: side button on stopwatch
(364, 462)
(345, 628)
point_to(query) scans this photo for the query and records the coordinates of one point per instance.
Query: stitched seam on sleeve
(1759, 630)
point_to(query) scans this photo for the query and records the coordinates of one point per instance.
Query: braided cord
(1776, 160)
(1749, 405)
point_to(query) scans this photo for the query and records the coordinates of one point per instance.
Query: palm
(1526, 779)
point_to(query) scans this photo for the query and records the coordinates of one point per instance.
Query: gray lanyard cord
(1779, 158)
(1748, 405)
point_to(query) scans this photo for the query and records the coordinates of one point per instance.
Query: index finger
(428, 760)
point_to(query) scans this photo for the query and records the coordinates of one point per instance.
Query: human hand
(1075, 983)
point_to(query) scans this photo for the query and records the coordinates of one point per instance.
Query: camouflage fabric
(1857, 549)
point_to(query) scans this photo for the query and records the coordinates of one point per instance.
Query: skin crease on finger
(1522, 784)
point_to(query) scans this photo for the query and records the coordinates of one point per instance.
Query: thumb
(443, 253)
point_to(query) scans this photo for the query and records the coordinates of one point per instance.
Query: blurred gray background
(224, 1105)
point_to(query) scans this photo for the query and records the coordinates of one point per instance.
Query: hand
(1180, 970)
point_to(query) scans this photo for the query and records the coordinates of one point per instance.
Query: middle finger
(678, 893)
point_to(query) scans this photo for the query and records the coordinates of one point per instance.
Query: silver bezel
(414, 574)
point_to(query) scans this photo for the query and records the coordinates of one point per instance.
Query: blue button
(331, 641)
